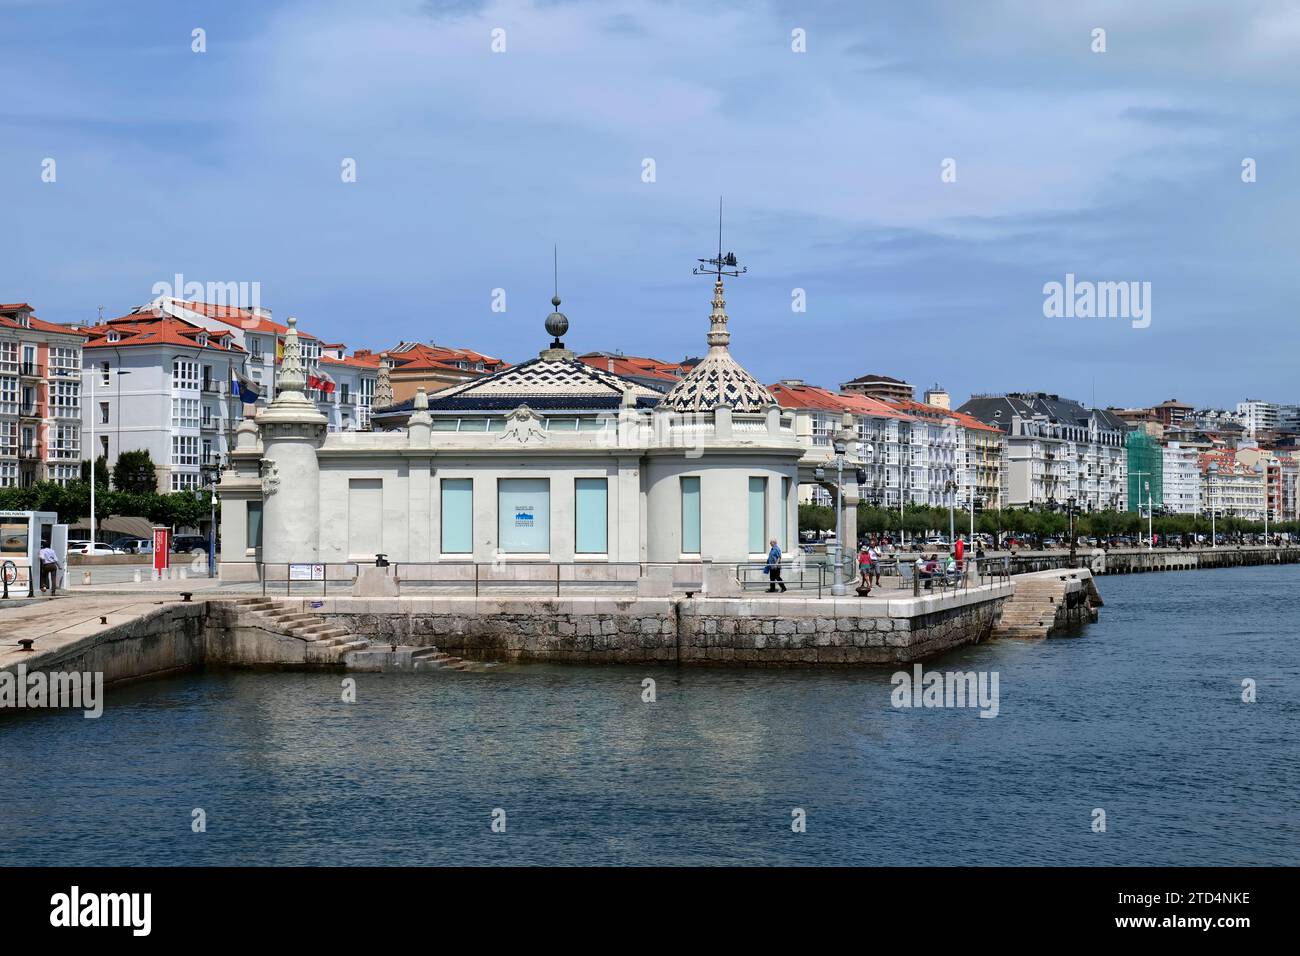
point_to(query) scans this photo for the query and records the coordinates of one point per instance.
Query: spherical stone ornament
(557, 323)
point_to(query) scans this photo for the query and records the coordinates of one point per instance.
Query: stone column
(292, 429)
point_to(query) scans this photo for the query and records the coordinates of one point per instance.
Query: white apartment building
(162, 385)
(1235, 489)
(1182, 478)
(1257, 416)
(908, 452)
(1055, 449)
(162, 378)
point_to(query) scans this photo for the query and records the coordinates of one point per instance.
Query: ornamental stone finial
(292, 377)
(718, 336)
(384, 386)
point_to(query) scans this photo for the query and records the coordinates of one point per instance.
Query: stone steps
(325, 640)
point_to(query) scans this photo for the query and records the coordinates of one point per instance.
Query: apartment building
(157, 383)
(1181, 481)
(40, 399)
(880, 387)
(1055, 449)
(1231, 488)
(435, 367)
(937, 455)
(345, 387)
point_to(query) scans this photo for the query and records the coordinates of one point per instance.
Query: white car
(92, 549)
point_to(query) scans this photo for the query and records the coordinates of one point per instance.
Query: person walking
(864, 566)
(49, 569)
(873, 552)
(774, 568)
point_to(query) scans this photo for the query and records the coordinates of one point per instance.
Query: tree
(135, 472)
(101, 471)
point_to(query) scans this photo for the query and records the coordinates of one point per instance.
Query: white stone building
(1182, 479)
(1055, 449)
(551, 460)
(156, 383)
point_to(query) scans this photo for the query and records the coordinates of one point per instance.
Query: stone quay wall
(748, 632)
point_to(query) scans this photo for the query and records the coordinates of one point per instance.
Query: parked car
(189, 543)
(134, 545)
(98, 548)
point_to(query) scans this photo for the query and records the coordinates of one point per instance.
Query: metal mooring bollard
(103, 619)
(186, 595)
(26, 643)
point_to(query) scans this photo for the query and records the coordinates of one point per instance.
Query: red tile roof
(238, 318)
(414, 356)
(156, 328)
(636, 365)
(9, 320)
(790, 395)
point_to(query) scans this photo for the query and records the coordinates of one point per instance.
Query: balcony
(214, 386)
(31, 370)
(29, 410)
(210, 424)
(29, 452)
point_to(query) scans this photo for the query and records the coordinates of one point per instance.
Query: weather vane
(721, 265)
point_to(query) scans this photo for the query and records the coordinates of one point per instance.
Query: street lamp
(837, 581)
(1150, 508)
(1074, 541)
(950, 490)
(1213, 473)
(212, 475)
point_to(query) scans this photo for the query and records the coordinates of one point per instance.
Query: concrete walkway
(55, 623)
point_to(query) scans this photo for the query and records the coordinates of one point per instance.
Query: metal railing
(798, 576)
(558, 579)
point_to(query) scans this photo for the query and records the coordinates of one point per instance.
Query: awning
(122, 526)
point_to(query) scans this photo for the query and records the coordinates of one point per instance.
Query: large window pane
(690, 516)
(524, 515)
(254, 524)
(591, 515)
(457, 515)
(757, 515)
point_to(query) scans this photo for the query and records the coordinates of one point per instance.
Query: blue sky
(1115, 166)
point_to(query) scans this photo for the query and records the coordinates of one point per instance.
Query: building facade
(40, 399)
(1181, 479)
(160, 384)
(551, 460)
(1055, 449)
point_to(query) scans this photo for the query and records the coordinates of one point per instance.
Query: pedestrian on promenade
(960, 549)
(874, 553)
(49, 569)
(864, 565)
(774, 568)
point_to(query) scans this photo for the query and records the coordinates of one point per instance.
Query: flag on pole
(243, 388)
(279, 351)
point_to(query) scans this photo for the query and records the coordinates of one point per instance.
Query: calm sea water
(1139, 715)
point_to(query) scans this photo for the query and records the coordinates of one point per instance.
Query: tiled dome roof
(719, 379)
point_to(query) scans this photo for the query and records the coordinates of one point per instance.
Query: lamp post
(1074, 541)
(837, 580)
(1213, 473)
(950, 491)
(1150, 508)
(212, 475)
